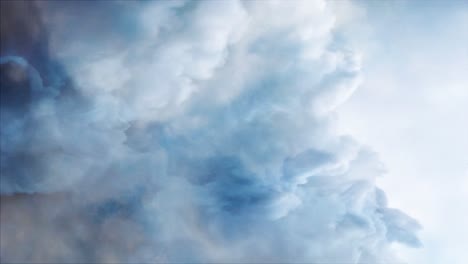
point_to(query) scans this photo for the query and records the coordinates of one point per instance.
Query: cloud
(190, 132)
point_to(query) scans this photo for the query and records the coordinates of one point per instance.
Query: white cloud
(206, 130)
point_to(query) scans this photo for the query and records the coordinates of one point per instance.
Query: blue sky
(412, 110)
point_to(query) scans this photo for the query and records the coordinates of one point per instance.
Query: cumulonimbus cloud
(173, 131)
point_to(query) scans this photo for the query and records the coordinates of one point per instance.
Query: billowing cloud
(173, 131)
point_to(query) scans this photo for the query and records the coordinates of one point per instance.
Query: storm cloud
(172, 131)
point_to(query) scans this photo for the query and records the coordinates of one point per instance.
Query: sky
(233, 132)
(412, 109)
